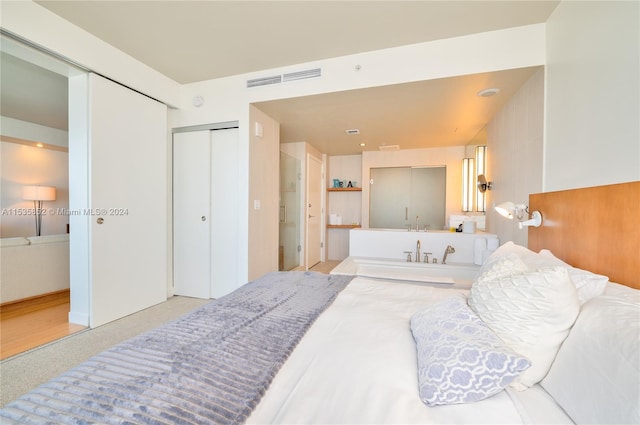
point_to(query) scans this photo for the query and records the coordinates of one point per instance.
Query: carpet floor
(21, 373)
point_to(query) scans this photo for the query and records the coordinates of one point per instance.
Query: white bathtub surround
(33, 266)
(392, 244)
(453, 275)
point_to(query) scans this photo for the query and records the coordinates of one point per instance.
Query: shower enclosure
(290, 202)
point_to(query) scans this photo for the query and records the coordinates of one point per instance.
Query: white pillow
(587, 284)
(596, 375)
(510, 248)
(460, 360)
(532, 313)
(502, 266)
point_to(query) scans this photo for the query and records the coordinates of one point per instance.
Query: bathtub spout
(449, 250)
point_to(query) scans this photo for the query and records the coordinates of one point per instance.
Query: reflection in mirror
(400, 194)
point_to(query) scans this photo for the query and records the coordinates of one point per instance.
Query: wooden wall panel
(596, 229)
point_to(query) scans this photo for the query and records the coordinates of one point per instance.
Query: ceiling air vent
(265, 81)
(384, 148)
(302, 75)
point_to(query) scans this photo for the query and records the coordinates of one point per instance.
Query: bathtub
(455, 274)
(471, 248)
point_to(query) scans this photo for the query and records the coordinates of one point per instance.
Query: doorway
(314, 212)
(35, 300)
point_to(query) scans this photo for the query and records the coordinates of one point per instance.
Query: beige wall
(264, 176)
(28, 165)
(514, 158)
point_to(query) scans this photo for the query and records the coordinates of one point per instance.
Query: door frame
(320, 213)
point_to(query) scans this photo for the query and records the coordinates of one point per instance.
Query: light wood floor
(29, 324)
(325, 267)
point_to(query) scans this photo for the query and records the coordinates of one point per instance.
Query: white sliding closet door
(128, 199)
(205, 213)
(224, 212)
(191, 214)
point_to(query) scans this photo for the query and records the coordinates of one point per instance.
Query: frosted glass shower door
(389, 198)
(400, 194)
(290, 202)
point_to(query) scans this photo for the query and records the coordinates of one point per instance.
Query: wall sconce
(38, 194)
(467, 184)
(521, 213)
(483, 184)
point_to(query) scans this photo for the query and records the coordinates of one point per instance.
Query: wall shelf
(343, 226)
(344, 189)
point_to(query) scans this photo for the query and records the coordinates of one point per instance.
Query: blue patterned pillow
(460, 360)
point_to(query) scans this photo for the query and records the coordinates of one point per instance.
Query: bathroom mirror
(400, 194)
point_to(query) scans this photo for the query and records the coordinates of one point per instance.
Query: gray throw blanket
(211, 366)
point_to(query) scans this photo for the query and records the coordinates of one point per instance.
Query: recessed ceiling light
(488, 92)
(362, 144)
(352, 132)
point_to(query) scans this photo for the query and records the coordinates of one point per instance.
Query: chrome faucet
(449, 250)
(417, 227)
(418, 251)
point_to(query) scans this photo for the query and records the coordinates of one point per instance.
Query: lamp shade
(506, 209)
(39, 193)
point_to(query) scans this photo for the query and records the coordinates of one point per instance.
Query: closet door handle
(203, 218)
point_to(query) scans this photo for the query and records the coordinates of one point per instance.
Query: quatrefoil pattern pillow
(460, 360)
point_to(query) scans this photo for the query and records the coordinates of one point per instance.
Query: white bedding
(357, 365)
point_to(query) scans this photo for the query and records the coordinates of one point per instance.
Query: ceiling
(443, 112)
(31, 93)
(192, 41)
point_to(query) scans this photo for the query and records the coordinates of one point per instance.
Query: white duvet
(357, 365)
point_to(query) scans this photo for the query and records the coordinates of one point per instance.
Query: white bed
(357, 364)
(569, 354)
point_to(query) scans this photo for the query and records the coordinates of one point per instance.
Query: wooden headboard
(595, 229)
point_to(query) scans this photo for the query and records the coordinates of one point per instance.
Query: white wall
(30, 133)
(592, 135)
(514, 157)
